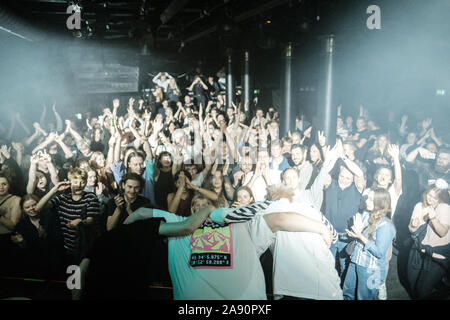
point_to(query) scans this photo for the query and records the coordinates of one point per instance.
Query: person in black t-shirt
(122, 205)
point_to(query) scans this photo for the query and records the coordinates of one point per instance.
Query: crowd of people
(209, 198)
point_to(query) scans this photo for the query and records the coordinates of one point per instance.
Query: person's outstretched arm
(173, 229)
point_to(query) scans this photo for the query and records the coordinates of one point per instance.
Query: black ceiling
(173, 23)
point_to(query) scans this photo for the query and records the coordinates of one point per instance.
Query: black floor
(52, 290)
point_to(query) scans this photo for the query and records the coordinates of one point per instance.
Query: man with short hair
(430, 173)
(74, 209)
(303, 166)
(342, 200)
(138, 163)
(123, 204)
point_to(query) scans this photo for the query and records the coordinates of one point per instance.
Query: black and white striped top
(68, 210)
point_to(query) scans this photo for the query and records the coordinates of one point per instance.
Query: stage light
(440, 92)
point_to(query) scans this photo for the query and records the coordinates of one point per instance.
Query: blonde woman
(173, 92)
(373, 232)
(429, 255)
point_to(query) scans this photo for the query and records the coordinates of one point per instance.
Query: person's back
(309, 259)
(125, 261)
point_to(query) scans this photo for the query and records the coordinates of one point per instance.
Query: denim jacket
(373, 253)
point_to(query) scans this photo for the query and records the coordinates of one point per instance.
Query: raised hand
(34, 159)
(258, 169)
(36, 126)
(116, 103)
(189, 184)
(321, 137)
(404, 119)
(182, 179)
(238, 175)
(5, 151)
(63, 185)
(46, 157)
(394, 151)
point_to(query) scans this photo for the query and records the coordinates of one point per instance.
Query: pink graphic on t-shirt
(211, 248)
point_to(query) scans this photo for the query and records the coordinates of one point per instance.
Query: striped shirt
(68, 210)
(241, 214)
(373, 253)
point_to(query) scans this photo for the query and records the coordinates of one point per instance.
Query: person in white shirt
(303, 266)
(162, 79)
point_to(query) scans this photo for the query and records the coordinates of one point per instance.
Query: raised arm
(59, 122)
(394, 152)
(51, 169)
(36, 133)
(50, 138)
(32, 174)
(14, 208)
(186, 227)
(117, 148)
(67, 152)
(61, 186)
(173, 229)
(207, 193)
(19, 152)
(173, 199)
(25, 128)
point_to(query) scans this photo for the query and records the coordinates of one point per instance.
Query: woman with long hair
(158, 94)
(315, 156)
(103, 169)
(373, 233)
(214, 189)
(429, 255)
(378, 155)
(31, 234)
(243, 197)
(179, 201)
(173, 92)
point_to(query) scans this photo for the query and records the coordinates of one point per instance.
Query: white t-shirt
(303, 264)
(243, 281)
(310, 272)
